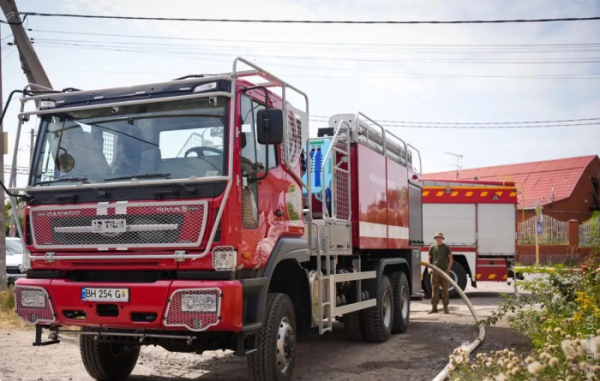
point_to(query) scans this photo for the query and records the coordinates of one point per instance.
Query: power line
(349, 44)
(370, 50)
(388, 75)
(479, 127)
(478, 123)
(390, 22)
(496, 61)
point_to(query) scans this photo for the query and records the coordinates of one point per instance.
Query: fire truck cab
(198, 214)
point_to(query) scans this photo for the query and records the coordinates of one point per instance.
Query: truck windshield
(167, 140)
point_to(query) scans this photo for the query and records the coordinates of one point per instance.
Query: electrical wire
(514, 49)
(477, 123)
(583, 60)
(349, 44)
(392, 22)
(480, 127)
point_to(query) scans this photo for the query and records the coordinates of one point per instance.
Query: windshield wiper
(81, 179)
(145, 176)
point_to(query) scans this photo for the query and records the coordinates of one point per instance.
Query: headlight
(199, 303)
(33, 299)
(224, 258)
(22, 269)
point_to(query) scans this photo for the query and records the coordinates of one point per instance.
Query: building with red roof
(565, 188)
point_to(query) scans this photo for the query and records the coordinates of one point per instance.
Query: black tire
(105, 361)
(401, 292)
(354, 326)
(458, 274)
(378, 320)
(264, 364)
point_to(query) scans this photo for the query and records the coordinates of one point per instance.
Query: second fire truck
(197, 214)
(478, 219)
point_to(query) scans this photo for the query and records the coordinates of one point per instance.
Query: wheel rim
(405, 302)
(286, 342)
(454, 278)
(387, 309)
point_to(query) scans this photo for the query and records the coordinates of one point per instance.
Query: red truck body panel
(380, 214)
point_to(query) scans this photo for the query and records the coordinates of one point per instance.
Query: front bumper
(160, 300)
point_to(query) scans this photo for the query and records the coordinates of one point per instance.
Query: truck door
(256, 196)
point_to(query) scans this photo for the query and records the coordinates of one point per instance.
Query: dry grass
(8, 317)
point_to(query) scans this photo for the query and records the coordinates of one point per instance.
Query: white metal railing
(339, 153)
(554, 232)
(589, 232)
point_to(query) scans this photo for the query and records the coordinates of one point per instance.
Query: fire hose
(466, 348)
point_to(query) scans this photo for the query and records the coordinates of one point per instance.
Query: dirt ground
(417, 355)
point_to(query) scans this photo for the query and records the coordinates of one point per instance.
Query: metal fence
(554, 232)
(589, 232)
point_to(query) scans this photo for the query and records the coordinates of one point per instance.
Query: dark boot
(446, 311)
(434, 310)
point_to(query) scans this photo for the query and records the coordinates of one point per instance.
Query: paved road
(417, 355)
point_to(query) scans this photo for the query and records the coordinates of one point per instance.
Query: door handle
(279, 213)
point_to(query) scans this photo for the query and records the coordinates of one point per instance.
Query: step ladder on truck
(197, 214)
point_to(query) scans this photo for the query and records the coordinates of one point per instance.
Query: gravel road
(417, 355)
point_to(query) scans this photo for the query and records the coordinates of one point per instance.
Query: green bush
(560, 313)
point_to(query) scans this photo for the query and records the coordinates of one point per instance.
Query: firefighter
(440, 256)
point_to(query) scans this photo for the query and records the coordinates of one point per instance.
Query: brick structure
(567, 189)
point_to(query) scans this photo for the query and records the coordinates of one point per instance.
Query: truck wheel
(107, 361)
(401, 291)
(458, 275)
(378, 320)
(353, 326)
(275, 355)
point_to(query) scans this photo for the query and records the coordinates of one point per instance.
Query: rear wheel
(275, 356)
(458, 275)
(107, 361)
(354, 326)
(378, 320)
(401, 292)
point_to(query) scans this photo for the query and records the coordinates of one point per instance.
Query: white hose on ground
(468, 348)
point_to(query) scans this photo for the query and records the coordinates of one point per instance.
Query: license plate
(89, 294)
(109, 226)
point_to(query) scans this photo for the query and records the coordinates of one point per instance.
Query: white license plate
(90, 294)
(109, 226)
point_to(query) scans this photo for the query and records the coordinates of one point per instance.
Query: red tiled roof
(539, 178)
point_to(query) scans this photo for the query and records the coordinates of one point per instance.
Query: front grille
(13, 270)
(33, 315)
(119, 225)
(161, 234)
(194, 321)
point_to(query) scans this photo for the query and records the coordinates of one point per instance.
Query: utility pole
(32, 67)
(458, 158)
(3, 285)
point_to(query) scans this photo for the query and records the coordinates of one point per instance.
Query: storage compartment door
(415, 213)
(497, 229)
(455, 221)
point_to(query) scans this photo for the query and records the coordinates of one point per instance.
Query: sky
(419, 73)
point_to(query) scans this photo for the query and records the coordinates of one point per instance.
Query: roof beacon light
(204, 87)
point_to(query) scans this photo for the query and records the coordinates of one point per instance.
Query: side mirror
(269, 123)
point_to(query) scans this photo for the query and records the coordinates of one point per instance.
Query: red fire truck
(478, 220)
(197, 214)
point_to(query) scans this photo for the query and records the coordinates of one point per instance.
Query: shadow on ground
(416, 355)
